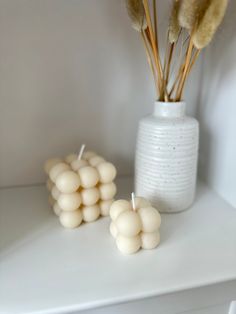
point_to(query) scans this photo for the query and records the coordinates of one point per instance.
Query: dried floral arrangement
(192, 26)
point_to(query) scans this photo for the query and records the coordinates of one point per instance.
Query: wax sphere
(96, 160)
(141, 202)
(55, 193)
(79, 163)
(128, 245)
(105, 207)
(150, 219)
(113, 229)
(57, 209)
(88, 176)
(90, 213)
(119, 207)
(68, 182)
(107, 172)
(150, 240)
(51, 163)
(71, 219)
(89, 154)
(128, 223)
(107, 191)
(90, 196)
(69, 202)
(57, 170)
(70, 158)
(49, 185)
(51, 200)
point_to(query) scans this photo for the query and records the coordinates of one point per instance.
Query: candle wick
(133, 200)
(81, 151)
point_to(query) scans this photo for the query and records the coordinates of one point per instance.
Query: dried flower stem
(193, 60)
(155, 19)
(154, 46)
(184, 75)
(180, 73)
(171, 50)
(197, 18)
(150, 62)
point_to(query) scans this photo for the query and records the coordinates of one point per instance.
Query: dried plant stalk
(136, 13)
(154, 4)
(149, 59)
(209, 23)
(174, 26)
(154, 45)
(185, 70)
(189, 68)
(201, 18)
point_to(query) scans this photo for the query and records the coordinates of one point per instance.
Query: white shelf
(47, 269)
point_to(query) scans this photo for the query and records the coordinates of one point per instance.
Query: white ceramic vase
(166, 157)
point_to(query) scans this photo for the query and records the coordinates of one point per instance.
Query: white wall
(71, 71)
(217, 111)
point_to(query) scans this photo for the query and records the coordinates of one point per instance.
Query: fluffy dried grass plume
(191, 11)
(209, 23)
(137, 15)
(174, 27)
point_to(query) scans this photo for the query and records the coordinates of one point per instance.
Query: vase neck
(169, 109)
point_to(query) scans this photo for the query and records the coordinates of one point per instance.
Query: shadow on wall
(217, 105)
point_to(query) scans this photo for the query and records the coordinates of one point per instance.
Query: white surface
(47, 269)
(166, 157)
(71, 72)
(217, 111)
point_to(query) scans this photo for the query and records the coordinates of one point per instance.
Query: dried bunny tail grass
(191, 11)
(209, 23)
(174, 27)
(136, 13)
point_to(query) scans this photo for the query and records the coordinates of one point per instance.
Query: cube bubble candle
(81, 189)
(134, 225)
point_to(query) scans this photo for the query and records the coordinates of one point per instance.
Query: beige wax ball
(107, 172)
(51, 200)
(128, 245)
(57, 209)
(71, 219)
(119, 207)
(90, 196)
(79, 163)
(150, 240)
(51, 163)
(68, 182)
(128, 223)
(90, 213)
(107, 191)
(96, 160)
(55, 193)
(49, 185)
(58, 169)
(70, 158)
(88, 176)
(113, 230)
(141, 202)
(150, 219)
(89, 154)
(69, 202)
(105, 207)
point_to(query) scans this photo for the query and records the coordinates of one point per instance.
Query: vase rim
(170, 102)
(169, 109)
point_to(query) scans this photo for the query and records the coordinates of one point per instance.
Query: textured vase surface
(166, 157)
